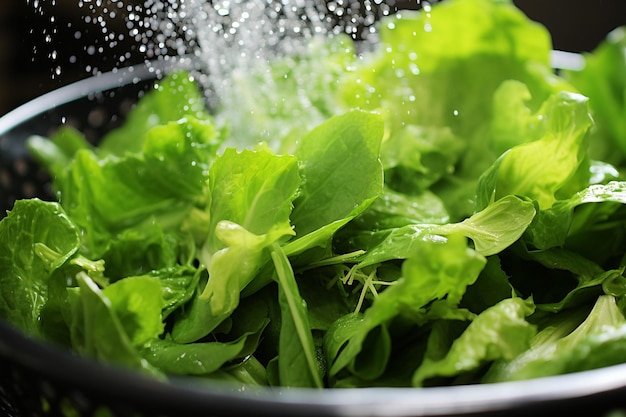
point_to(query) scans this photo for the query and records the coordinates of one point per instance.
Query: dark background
(576, 25)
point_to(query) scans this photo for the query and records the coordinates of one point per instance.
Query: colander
(38, 379)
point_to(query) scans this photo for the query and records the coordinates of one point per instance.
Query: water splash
(227, 40)
(221, 34)
(230, 36)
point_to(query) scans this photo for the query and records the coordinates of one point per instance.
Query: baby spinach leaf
(249, 373)
(229, 271)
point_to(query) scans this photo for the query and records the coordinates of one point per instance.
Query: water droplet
(210, 31)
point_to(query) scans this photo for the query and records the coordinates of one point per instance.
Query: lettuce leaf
(439, 270)
(436, 78)
(174, 98)
(596, 342)
(601, 79)
(260, 187)
(549, 167)
(500, 331)
(36, 238)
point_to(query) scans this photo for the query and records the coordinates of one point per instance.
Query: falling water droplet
(210, 32)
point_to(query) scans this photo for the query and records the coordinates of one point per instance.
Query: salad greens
(441, 209)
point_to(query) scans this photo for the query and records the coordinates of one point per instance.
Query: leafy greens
(441, 209)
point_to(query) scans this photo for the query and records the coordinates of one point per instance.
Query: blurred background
(80, 44)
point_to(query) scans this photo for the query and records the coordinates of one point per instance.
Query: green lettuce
(437, 80)
(601, 79)
(564, 346)
(29, 255)
(437, 209)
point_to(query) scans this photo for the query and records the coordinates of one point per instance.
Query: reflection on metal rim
(153, 69)
(92, 85)
(563, 60)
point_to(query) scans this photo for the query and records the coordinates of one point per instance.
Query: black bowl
(39, 379)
